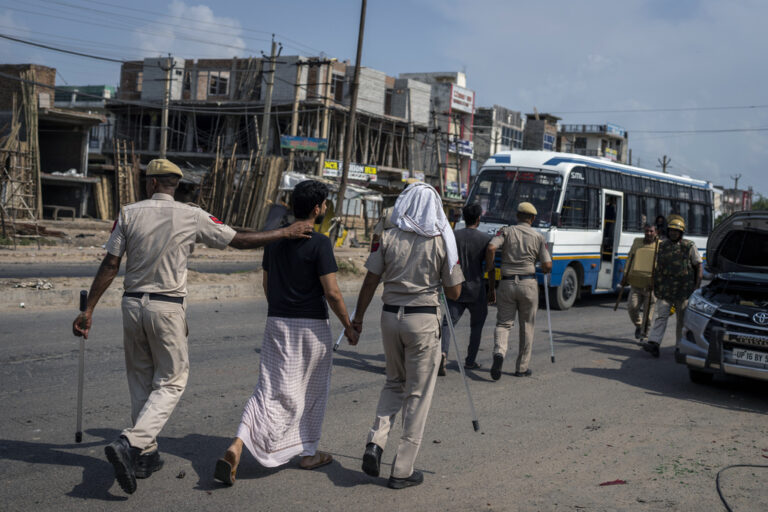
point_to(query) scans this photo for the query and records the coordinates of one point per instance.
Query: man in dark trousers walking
(471, 245)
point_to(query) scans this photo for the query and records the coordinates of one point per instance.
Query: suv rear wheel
(699, 377)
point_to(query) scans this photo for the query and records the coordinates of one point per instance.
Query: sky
(686, 78)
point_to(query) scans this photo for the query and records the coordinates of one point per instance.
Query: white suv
(726, 323)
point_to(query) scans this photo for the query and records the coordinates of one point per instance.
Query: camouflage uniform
(674, 281)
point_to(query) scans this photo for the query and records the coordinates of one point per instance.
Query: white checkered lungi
(284, 416)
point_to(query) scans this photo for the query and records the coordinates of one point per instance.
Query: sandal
(318, 459)
(225, 470)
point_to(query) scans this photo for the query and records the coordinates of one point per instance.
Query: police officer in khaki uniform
(157, 235)
(414, 259)
(641, 298)
(521, 247)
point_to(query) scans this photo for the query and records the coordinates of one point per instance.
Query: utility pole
(736, 179)
(410, 135)
(295, 113)
(352, 114)
(664, 162)
(436, 133)
(268, 98)
(630, 156)
(326, 113)
(168, 68)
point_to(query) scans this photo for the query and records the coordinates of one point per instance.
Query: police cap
(161, 166)
(526, 208)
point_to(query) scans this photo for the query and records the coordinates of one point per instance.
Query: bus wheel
(564, 296)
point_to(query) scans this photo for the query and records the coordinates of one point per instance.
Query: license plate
(757, 341)
(750, 356)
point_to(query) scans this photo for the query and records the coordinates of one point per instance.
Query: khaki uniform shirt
(158, 235)
(383, 223)
(413, 268)
(520, 247)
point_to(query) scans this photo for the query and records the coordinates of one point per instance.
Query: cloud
(596, 55)
(192, 31)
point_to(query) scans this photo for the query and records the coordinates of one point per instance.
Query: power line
(717, 130)
(672, 109)
(39, 45)
(183, 18)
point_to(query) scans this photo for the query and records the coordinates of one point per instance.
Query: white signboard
(462, 99)
(333, 169)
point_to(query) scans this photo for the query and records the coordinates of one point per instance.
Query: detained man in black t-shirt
(284, 417)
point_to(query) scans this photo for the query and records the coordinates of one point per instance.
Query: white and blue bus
(590, 210)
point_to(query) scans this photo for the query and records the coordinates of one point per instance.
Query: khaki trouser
(662, 315)
(412, 351)
(636, 306)
(519, 297)
(156, 361)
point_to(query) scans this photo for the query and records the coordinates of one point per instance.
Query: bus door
(612, 216)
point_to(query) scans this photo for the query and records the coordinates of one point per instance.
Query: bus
(589, 211)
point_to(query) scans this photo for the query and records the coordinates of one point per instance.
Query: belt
(155, 296)
(411, 310)
(520, 277)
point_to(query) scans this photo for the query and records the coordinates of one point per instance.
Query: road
(88, 269)
(605, 411)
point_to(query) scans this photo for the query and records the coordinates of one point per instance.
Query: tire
(564, 296)
(699, 377)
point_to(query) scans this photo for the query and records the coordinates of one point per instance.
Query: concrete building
(47, 162)
(496, 129)
(736, 200)
(92, 99)
(540, 132)
(453, 110)
(608, 141)
(219, 104)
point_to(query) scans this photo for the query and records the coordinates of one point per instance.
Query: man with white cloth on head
(413, 259)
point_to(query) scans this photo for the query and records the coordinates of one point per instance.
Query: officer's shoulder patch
(375, 246)
(215, 220)
(114, 225)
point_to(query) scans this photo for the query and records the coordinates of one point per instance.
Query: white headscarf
(419, 209)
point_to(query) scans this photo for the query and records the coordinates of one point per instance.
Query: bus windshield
(499, 192)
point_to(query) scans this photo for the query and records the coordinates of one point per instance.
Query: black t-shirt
(293, 283)
(471, 244)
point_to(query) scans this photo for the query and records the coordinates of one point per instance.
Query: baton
(338, 341)
(549, 321)
(80, 372)
(475, 422)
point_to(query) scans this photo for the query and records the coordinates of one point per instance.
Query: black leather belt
(526, 276)
(155, 296)
(411, 310)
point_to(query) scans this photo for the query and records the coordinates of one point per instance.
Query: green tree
(761, 203)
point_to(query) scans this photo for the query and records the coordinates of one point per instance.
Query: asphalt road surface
(604, 412)
(88, 269)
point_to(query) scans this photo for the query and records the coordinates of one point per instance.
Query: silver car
(726, 324)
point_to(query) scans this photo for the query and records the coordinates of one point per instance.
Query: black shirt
(471, 244)
(293, 284)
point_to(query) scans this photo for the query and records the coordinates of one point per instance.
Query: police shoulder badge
(215, 220)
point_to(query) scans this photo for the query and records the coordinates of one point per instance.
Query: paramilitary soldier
(157, 235)
(521, 247)
(414, 259)
(639, 275)
(678, 273)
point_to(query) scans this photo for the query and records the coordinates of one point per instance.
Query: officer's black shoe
(372, 459)
(123, 457)
(148, 463)
(653, 348)
(472, 366)
(526, 373)
(498, 361)
(416, 478)
(638, 332)
(441, 368)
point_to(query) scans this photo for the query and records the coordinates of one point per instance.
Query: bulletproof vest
(674, 280)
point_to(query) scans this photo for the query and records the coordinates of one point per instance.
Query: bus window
(499, 193)
(696, 226)
(632, 221)
(575, 207)
(665, 207)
